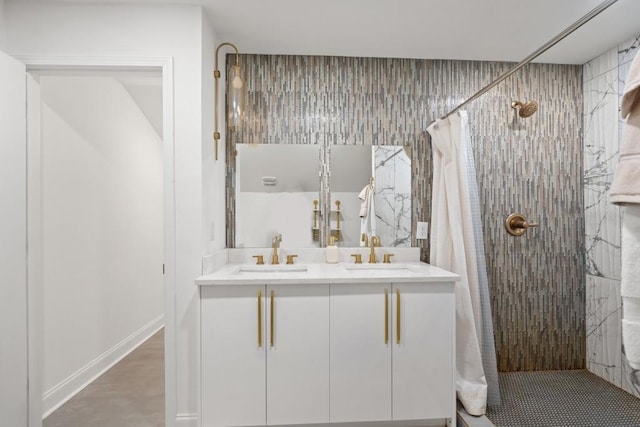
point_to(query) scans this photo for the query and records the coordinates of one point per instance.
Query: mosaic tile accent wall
(604, 80)
(533, 166)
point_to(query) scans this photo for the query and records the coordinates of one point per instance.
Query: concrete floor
(130, 394)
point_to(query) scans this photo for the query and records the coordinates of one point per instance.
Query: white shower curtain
(453, 248)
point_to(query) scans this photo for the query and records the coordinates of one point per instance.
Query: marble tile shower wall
(533, 166)
(604, 79)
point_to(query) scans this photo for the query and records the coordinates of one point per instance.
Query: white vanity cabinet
(423, 368)
(328, 347)
(391, 351)
(360, 357)
(265, 355)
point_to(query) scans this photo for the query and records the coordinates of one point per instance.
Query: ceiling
(496, 30)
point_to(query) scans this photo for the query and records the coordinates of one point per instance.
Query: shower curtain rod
(570, 29)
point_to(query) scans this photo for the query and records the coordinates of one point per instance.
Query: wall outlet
(422, 230)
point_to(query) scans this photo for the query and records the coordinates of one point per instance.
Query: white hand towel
(630, 270)
(631, 340)
(364, 201)
(630, 283)
(368, 216)
(625, 187)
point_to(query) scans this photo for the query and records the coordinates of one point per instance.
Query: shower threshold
(561, 399)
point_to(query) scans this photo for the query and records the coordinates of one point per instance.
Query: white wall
(213, 172)
(102, 226)
(3, 31)
(152, 31)
(13, 249)
(260, 216)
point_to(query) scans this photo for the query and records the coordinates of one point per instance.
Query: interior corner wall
(604, 80)
(103, 230)
(118, 30)
(213, 171)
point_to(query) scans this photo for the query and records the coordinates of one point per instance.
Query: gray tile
(563, 399)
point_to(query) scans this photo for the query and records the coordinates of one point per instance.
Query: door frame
(34, 233)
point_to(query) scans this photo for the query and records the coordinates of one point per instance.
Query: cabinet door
(423, 370)
(360, 355)
(297, 354)
(233, 359)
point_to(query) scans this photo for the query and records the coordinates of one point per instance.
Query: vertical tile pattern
(533, 166)
(626, 53)
(604, 329)
(628, 50)
(604, 83)
(602, 219)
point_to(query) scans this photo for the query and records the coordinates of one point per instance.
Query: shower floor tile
(563, 399)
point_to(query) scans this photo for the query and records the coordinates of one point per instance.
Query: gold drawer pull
(272, 307)
(259, 319)
(386, 316)
(398, 316)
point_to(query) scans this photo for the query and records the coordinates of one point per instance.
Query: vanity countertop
(314, 273)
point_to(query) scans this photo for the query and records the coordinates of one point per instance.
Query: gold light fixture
(235, 95)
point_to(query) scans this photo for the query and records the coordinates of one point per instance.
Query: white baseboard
(70, 386)
(186, 420)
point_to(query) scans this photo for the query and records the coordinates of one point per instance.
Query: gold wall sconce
(236, 95)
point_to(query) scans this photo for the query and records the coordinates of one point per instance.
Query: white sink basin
(379, 268)
(252, 269)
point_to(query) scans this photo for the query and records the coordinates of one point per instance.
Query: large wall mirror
(277, 187)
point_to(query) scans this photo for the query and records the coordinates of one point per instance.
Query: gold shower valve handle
(516, 224)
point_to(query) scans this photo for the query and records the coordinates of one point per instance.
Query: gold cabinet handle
(386, 316)
(271, 326)
(259, 319)
(397, 316)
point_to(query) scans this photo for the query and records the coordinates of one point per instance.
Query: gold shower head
(525, 110)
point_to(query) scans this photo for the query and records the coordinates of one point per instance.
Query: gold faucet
(275, 244)
(375, 241)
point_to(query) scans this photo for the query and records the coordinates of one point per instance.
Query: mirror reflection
(276, 185)
(389, 216)
(278, 191)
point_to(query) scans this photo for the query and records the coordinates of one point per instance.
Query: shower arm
(548, 45)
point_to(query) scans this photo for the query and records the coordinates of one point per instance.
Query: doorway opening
(102, 226)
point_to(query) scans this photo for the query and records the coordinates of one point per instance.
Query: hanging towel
(364, 201)
(631, 252)
(625, 190)
(625, 187)
(367, 212)
(630, 283)
(631, 340)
